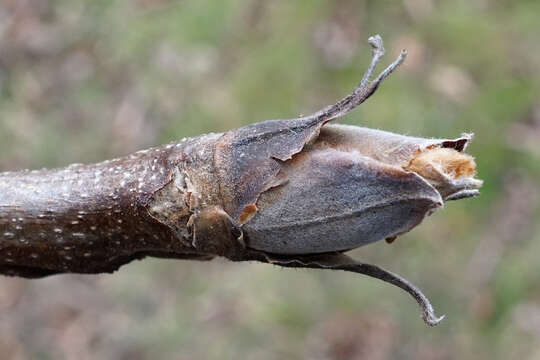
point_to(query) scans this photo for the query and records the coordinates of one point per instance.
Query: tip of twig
(376, 43)
(393, 66)
(431, 319)
(402, 56)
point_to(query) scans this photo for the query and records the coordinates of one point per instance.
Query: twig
(227, 195)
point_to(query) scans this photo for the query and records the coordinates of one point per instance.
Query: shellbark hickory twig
(295, 193)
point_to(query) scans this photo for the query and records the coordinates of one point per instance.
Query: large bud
(354, 186)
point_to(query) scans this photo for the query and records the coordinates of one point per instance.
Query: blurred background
(82, 81)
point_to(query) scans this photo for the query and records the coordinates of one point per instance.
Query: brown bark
(92, 218)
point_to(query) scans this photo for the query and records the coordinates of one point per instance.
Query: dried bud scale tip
(296, 193)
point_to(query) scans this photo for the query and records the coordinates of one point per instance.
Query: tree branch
(288, 192)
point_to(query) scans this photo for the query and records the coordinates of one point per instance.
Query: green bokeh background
(82, 81)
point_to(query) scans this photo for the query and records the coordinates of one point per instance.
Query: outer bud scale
(354, 186)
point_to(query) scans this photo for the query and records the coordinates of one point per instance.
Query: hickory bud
(354, 186)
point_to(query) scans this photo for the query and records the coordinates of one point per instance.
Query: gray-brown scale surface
(90, 218)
